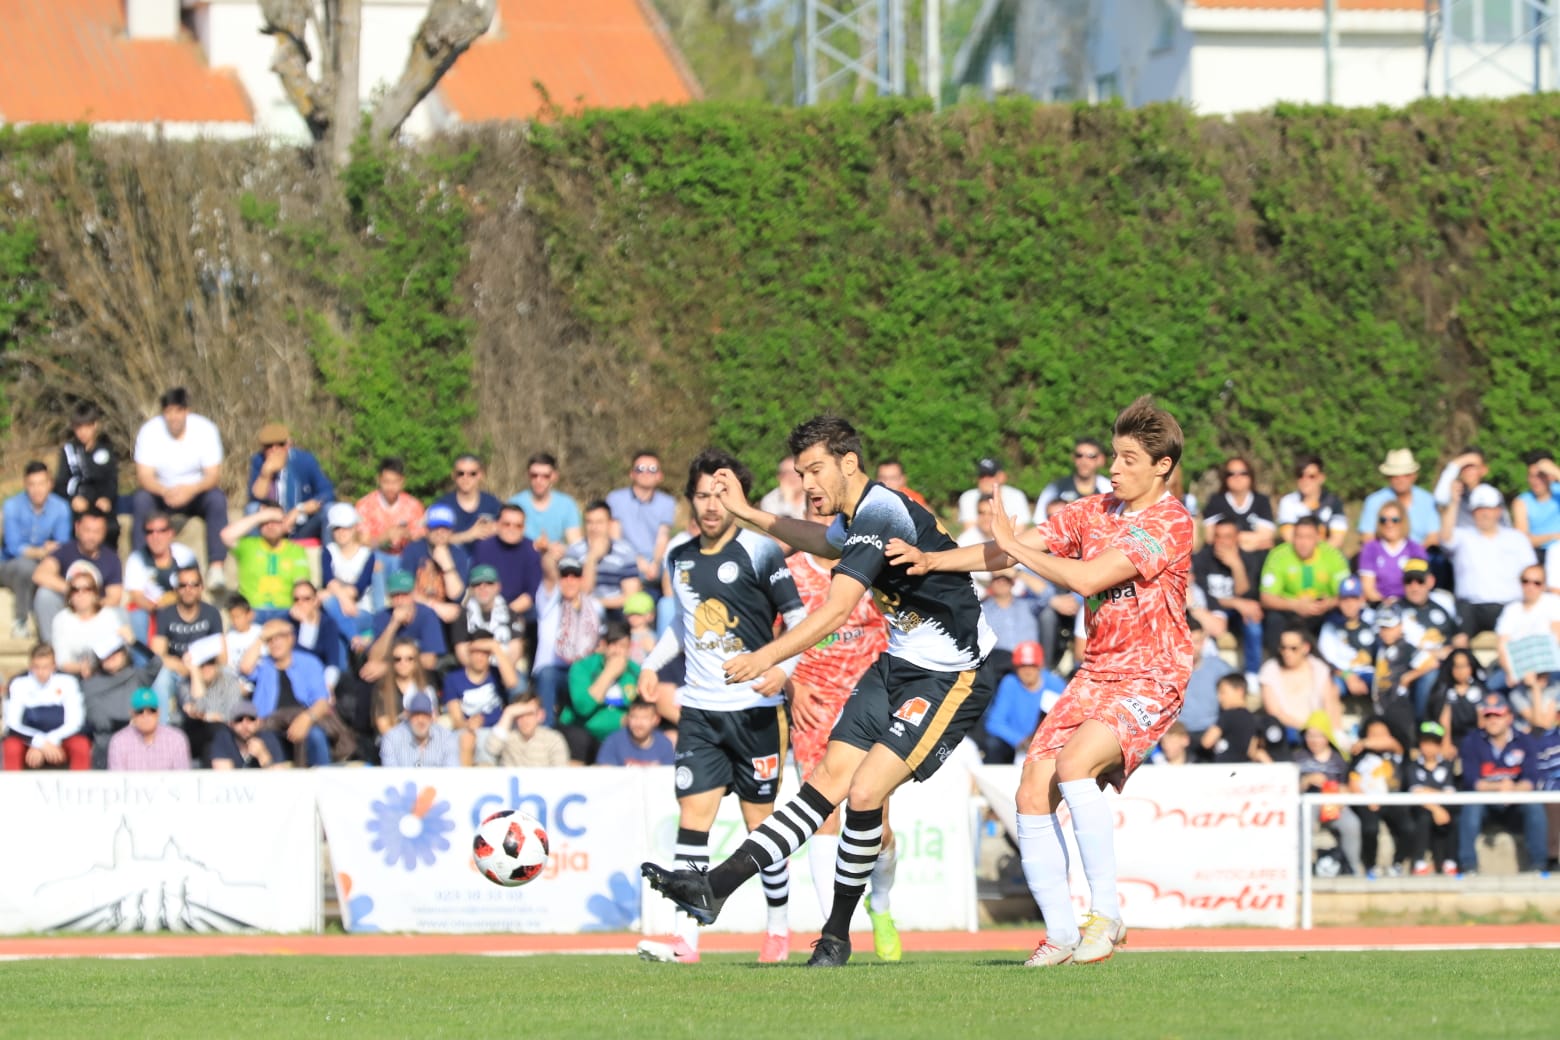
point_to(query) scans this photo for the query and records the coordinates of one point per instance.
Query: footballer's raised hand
(901, 553)
(729, 488)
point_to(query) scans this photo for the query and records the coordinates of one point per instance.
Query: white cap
(341, 514)
(206, 648)
(106, 646)
(1485, 497)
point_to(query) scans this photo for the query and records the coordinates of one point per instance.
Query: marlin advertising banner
(181, 852)
(400, 846)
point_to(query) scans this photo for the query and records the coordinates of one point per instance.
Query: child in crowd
(1454, 701)
(1323, 769)
(1235, 737)
(1435, 826)
(1378, 769)
(242, 632)
(1174, 748)
(639, 612)
(347, 573)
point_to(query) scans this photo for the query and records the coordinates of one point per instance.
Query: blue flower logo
(358, 908)
(618, 909)
(408, 825)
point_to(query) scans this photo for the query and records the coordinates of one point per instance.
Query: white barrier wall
(183, 852)
(1195, 845)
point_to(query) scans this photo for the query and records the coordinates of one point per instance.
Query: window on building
(1164, 31)
(1064, 92)
(1106, 87)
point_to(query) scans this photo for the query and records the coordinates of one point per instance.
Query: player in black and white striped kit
(730, 585)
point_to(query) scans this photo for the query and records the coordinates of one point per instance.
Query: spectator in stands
(643, 516)
(485, 615)
(404, 617)
(214, 691)
(418, 741)
(476, 694)
(976, 534)
(1175, 747)
(1297, 684)
(1200, 709)
(1488, 559)
(475, 510)
(891, 474)
(1348, 642)
(1418, 505)
(1496, 757)
(1235, 736)
(786, 499)
(388, 519)
(1430, 617)
(37, 522)
(1399, 665)
(437, 565)
(639, 612)
(1434, 827)
(1455, 698)
(519, 740)
(1012, 619)
(1529, 634)
(290, 693)
(146, 745)
(317, 632)
(607, 563)
(406, 676)
(1536, 511)
(1383, 558)
(1378, 769)
(44, 716)
(639, 742)
(600, 687)
(514, 557)
(568, 626)
(989, 478)
(87, 473)
(1311, 498)
(1229, 577)
(1546, 739)
(91, 528)
(105, 693)
(1458, 479)
(551, 516)
(347, 572)
(152, 573)
(1023, 698)
(180, 626)
(76, 631)
(1323, 770)
(1300, 581)
(244, 744)
(243, 631)
(178, 467)
(283, 473)
(1237, 499)
(1084, 480)
(268, 562)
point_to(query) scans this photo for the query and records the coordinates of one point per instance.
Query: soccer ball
(510, 848)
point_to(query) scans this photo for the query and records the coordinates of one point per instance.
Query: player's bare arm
(803, 535)
(844, 592)
(986, 556)
(1087, 577)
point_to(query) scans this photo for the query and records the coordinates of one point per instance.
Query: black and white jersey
(934, 620)
(1429, 626)
(727, 604)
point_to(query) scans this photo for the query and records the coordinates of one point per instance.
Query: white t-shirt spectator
(182, 461)
(141, 577)
(1013, 500)
(1530, 634)
(1489, 569)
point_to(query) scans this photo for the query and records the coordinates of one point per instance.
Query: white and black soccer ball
(510, 848)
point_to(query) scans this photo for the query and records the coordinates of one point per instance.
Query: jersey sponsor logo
(1145, 715)
(1146, 540)
(780, 575)
(766, 767)
(865, 539)
(712, 625)
(1115, 594)
(913, 710)
(728, 572)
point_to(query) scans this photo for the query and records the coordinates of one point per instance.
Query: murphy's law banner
(400, 847)
(159, 852)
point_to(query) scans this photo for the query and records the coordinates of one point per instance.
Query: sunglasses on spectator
(1390, 520)
(83, 588)
(268, 445)
(404, 658)
(146, 711)
(537, 474)
(1086, 454)
(466, 472)
(189, 584)
(157, 530)
(484, 582)
(647, 468)
(1237, 473)
(246, 718)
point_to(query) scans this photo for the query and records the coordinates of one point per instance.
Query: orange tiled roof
(599, 53)
(70, 61)
(1417, 6)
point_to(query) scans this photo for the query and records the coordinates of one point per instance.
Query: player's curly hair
(1152, 427)
(711, 459)
(839, 436)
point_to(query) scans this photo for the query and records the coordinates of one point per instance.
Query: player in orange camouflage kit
(1129, 554)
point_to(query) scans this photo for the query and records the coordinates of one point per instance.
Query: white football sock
(1095, 829)
(883, 878)
(1043, 852)
(687, 930)
(821, 852)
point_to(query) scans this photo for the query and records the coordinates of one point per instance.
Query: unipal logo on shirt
(913, 710)
(766, 768)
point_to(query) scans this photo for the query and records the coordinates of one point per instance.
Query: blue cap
(439, 516)
(419, 704)
(143, 698)
(1351, 587)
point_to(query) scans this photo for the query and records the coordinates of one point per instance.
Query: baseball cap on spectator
(1485, 497)
(1350, 588)
(399, 582)
(86, 567)
(143, 697)
(638, 603)
(1386, 617)
(206, 649)
(1415, 569)
(241, 709)
(483, 572)
(341, 514)
(1494, 704)
(989, 466)
(1431, 731)
(274, 433)
(419, 704)
(107, 646)
(569, 565)
(1027, 653)
(439, 516)
(1398, 463)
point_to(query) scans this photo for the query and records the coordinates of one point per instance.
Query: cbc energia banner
(179, 851)
(1195, 845)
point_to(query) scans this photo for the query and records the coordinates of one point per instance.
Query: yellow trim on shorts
(957, 694)
(784, 720)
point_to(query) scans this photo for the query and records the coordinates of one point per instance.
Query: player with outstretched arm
(1128, 553)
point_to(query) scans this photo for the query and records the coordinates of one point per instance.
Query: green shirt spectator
(268, 563)
(600, 687)
(1289, 576)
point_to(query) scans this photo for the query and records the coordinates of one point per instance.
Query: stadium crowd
(1418, 651)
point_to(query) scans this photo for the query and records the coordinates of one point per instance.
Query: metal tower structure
(852, 49)
(1491, 47)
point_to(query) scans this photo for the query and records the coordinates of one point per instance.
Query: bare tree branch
(450, 27)
(288, 22)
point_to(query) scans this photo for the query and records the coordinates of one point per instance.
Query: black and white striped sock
(776, 879)
(860, 842)
(774, 841)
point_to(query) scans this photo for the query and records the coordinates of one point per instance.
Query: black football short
(918, 714)
(737, 751)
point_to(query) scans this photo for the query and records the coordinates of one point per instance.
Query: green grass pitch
(1506, 993)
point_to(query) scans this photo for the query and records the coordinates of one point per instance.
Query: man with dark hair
(87, 473)
(1085, 480)
(643, 515)
(910, 708)
(550, 515)
(90, 544)
(284, 473)
(268, 561)
(729, 586)
(476, 510)
(514, 557)
(178, 467)
(609, 566)
(37, 522)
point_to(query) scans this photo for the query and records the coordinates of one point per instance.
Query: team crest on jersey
(766, 768)
(684, 778)
(913, 710)
(728, 572)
